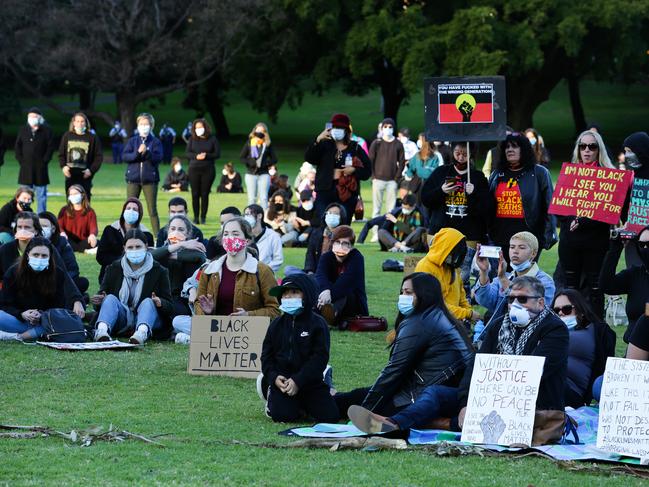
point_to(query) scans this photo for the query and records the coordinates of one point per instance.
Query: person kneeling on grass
(134, 295)
(295, 355)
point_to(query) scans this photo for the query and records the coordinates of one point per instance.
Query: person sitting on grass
(319, 241)
(176, 179)
(34, 285)
(404, 229)
(134, 297)
(78, 221)
(230, 180)
(302, 221)
(295, 354)
(429, 347)
(178, 207)
(22, 201)
(341, 279)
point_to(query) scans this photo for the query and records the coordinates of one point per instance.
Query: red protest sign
(597, 193)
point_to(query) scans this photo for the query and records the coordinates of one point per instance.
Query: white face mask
(252, 220)
(80, 130)
(403, 139)
(419, 144)
(200, 131)
(272, 172)
(34, 121)
(307, 205)
(143, 130)
(570, 321)
(47, 232)
(337, 134)
(387, 132)
(519, 315)
(75, 199)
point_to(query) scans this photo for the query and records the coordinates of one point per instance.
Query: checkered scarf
(507, 342)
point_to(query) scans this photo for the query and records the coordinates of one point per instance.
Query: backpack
(63, 326)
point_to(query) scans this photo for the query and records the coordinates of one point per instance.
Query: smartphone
(328, 125)
(452, 180)
(489, 251)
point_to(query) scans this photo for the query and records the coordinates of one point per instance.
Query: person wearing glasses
(583, 242)
(522, 190)
(591, 342)
(341, 279)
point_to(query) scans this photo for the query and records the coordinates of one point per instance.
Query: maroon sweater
(79, 226)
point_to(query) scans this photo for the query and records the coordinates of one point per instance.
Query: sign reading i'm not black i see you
(227, 345)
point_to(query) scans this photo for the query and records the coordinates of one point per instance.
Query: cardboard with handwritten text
(624, 408)
(597, 193)
(227, 345)
(639, 209)
(502, 399)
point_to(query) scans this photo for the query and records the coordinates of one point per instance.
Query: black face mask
(279, 206)
(631, 160)
(259, 135)
(25, 206)
(457, 255)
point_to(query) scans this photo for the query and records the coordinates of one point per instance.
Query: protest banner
(502, 399)
(227, 345)
(597, 193)
(639, 209)
(467, 108)
(624, 408)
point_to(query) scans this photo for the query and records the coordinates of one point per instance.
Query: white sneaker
(92, 251)
(393, 249)
(101, 333)
(140, 336)
(6, 336)
(260, 393)
(375, 238)
(182, 338)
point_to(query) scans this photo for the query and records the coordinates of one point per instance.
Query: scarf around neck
(507, 342)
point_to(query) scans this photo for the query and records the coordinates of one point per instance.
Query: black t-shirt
(640, 334)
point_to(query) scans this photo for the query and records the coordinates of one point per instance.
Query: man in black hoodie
(295, 354)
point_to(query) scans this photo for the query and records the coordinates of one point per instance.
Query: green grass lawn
(149, 392)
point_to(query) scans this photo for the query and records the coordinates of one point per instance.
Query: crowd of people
(428, 197)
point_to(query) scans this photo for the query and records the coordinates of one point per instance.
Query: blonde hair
(148, 117)
(75, 115)
(603, 158)
(266, 134)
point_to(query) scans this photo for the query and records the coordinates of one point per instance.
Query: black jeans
(315, 401)
(133, 190)
(356, 397)
(200, 180)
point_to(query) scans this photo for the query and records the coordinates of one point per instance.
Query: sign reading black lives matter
(469, 108)
(227, 345)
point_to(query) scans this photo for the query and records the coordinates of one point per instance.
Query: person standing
(258, 155)
(168, 138)
(34, 149)
(143, 153)
(117, 135)
(80, 154)
(388, 160)
(202, 151)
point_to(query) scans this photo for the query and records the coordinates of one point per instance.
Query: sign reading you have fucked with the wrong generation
(502, 399)
(227, 345)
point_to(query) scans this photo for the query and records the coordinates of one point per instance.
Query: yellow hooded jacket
(454, 297)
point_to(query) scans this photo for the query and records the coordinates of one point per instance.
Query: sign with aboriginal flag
(470, 108)
(597, 193)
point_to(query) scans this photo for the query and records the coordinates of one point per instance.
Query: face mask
(406, 211)
(338, 134)
(47, 232)
(272, 172)
(75, 199)
(405, 304)
(519, 315)
(532, 141)
(403, 140)
(419, 144)
(252, 220)
(260, 136)
(80, 130)
(224, 172)
(570, 321)
(131, 216)
(457, 255)
(136, 256)
(175, 237)
(200, 131)
(632, 161)
(25, 206)
(387, 132)
(523, 266)
(307, 205)
(143, 130)
(172, 215)
(178, 168)
(292, 306)
(38, 264)
(33, 121)
(24, 235)
(279, 207)
(117, 125)
(234, 245)
(332, 220)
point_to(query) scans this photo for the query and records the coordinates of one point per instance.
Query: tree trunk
(525, 94)
(392, 91)
(213, 96)
(86, 100)
(126, 109)
(575, 104)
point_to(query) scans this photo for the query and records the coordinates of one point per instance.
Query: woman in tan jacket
(237, 283)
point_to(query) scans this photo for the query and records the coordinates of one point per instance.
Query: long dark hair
(56, 230)
(140, 210)
(271, 213)
(528, 159)
(585, 314)
(85, 204)
(29, 281)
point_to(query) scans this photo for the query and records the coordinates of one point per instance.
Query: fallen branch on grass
(78, 437)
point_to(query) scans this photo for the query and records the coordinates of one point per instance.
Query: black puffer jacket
(297, 347)
(428, 350)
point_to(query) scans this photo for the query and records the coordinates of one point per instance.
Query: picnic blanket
(586, 417)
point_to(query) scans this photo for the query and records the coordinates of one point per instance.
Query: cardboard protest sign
(410, 262)
(624, 408)
(639, 209)
(227, 345)
(502, 399)
(597, 193)
(467, 108)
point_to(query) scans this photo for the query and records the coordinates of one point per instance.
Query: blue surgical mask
(337, 134)
(406, 304)
(136, 256)
(38, 264)
(570, 321)
(131, 216)
(523, 266)
(75, 199)
(332, 220)
(251, 219)
(47, 232)
(291, 306)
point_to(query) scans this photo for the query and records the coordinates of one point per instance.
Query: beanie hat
(343, 231)
(388, 121)
(638, 142)
(340, 120)
(528, 238)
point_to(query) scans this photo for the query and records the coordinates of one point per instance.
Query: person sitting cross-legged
(404, 229)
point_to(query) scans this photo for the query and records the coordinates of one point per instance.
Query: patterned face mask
(234, 245)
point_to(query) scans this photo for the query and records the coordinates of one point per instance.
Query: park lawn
(149, 392)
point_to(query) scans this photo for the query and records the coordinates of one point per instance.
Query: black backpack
(62, 326)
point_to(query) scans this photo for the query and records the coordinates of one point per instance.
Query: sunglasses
(565, 310)
(520, 299)
(643, 245)
(592, 147)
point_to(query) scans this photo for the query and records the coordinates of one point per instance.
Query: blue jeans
(434, 402)
(182, 324)
(11, 324)
(41, 196)
(258, 186)
(122, 321)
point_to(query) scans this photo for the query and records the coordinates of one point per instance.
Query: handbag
(392, 265)
(549, 426)
(359, 210)
(365, 323)
(63, 326)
